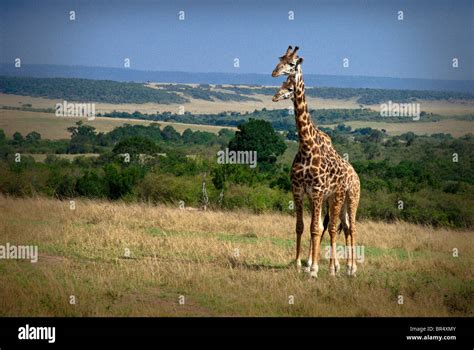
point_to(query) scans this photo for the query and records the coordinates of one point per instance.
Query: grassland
(223, 263)
(454, 127)
(199, 106)
(53, 128)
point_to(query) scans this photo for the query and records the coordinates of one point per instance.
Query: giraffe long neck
(304, 124)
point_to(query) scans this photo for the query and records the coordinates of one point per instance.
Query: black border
(367, 331)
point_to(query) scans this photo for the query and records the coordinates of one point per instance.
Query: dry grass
(442, 107)
(177, 252)
(53, 128)
(196, 106)
(454, 127)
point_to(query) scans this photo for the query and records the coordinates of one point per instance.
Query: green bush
(163, 188)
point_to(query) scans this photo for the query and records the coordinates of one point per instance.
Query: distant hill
(110, 91)
(315, 80)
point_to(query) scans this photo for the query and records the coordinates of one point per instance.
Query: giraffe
(319, 172)
(286, 92)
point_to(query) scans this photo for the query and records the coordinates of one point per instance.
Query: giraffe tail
(326, 223)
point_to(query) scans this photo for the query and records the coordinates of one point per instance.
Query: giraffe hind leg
(352, 204)
(335, 208)
(344, 218)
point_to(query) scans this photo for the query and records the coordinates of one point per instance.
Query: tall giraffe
(319, 172)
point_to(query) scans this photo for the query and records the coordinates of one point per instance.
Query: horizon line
(236, 73)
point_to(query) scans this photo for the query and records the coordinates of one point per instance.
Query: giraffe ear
(300, 60)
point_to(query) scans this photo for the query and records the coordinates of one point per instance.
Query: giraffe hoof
(313, 274)
(307, 269)
(332, 271)
(351, 270)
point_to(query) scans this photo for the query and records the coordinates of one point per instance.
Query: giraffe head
(287, 64)
(286, 90)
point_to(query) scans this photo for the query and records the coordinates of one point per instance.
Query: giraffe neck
(304, 124)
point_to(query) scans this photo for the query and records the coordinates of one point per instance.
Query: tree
(170, 134)
(258, 135)
(83, 138)
(226, 133)
(187, 136)
(120, 181)
(91, 185)
(409, 137)
(292, 133)
(135, 146)
(33, 137)
(81, 130)
(18, 138)
(376, 135)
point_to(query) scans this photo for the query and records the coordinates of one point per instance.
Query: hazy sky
(257, 32)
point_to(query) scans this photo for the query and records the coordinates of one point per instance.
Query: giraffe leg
(344, 217)
(353, 202)
(335, 207)
(353, 267)
(309, 261)
(298, 198)
(324, 228)
(326, 225)
(348, 250)
(316, 233)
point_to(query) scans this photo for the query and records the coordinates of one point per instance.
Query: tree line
(421, 179)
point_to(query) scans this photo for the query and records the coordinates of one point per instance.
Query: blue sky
(257, 32)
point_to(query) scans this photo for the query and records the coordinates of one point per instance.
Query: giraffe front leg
(310, 260)
(299, 228)
(323, 227)
(316, 233)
